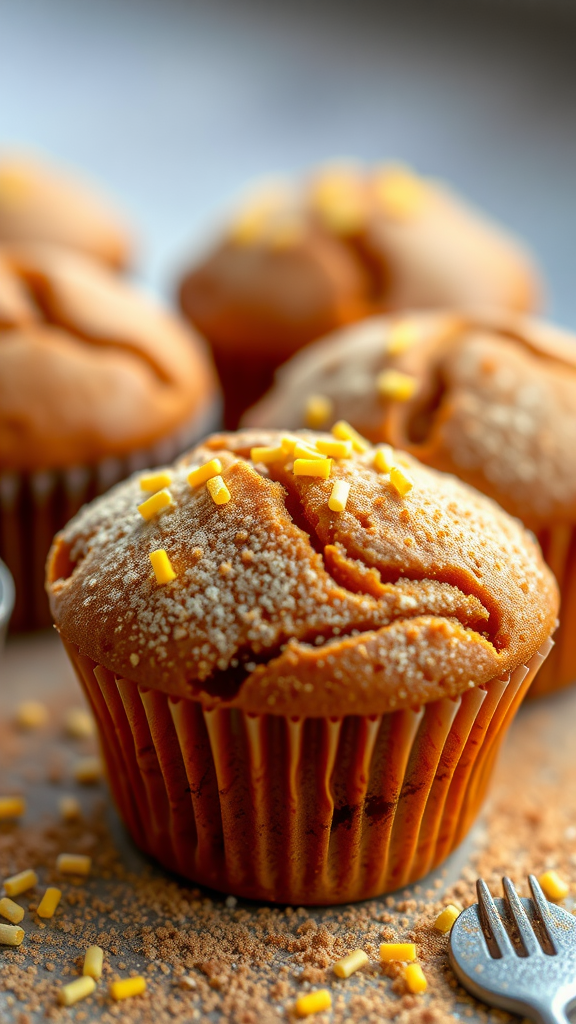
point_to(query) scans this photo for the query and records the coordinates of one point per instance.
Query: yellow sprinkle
(399, 387)
(267, 454)
(204, 473)
(319, 411)
(252, 223)
(339, 198)
(156, 481)
(74, 864)
(70, 809)
(446, 918)
(553, 886)
(344, 432)
(289, 443)
(49, 902)
(339, 497)
(401, 481)
(313, 1002)
(11, 911)
(76, 990)
(218, 491)
(384, 459)
(162, 566)
(304, 450)
(21, 882)
(31, 714)
(127, 988)
(403, 334)
(415, 979)
(155, 504)
(12, 807)
(399, 192)
(79, 724)
(351, 963)
(93, 961)
(313, 467)
(88, 771)
(11, 935)
(402, 951)
(335, 449)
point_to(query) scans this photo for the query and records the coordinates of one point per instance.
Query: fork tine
(521, 920)
(543, 909)
(491, 919)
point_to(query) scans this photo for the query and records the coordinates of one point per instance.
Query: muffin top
(90, 367)
(274, 602)
(300, 259)
(490, 397)
(42, 203)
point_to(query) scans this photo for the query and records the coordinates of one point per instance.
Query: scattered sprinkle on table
(10, 910)
(446, 918)
(553, 886)
(21, 882)
(313, 1002)
(415, 979)
(31, 714)
(76, 990)
(88, 771)
(74, 864)
(12, 807)
(351, 963)
(49, 902)
(79, 724)
(11, 935)
(93, 962)
(127, 988)
(397, 951)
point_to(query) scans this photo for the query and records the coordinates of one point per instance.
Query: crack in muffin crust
(440, 590)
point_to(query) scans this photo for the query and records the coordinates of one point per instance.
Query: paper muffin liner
(558, 545)
(299, 810)
(34, 506)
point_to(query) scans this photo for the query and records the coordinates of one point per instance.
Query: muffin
(301, 667)
(96, 379)
(297, 262)
(490, 397)
(43, 203)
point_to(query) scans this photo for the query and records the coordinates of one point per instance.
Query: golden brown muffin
(298, 690)
(43, 203)
(489, 397)
(95, 379)
(298, 262)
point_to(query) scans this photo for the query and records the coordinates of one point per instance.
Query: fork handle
(551, 1015)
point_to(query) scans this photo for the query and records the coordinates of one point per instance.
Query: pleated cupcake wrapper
(558, 545)
(34, 506)
(299, 810)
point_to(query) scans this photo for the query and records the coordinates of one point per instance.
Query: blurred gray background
(173, 105)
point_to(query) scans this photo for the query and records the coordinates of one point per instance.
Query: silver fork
(518, 954)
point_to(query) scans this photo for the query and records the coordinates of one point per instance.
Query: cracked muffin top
(43, 203)
(299, 259)
(301, 574)
(490, 397)
(90, 367)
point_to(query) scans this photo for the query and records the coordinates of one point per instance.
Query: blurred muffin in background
(43, 203)
(300, 260)
(488, 397)
(96, 380)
